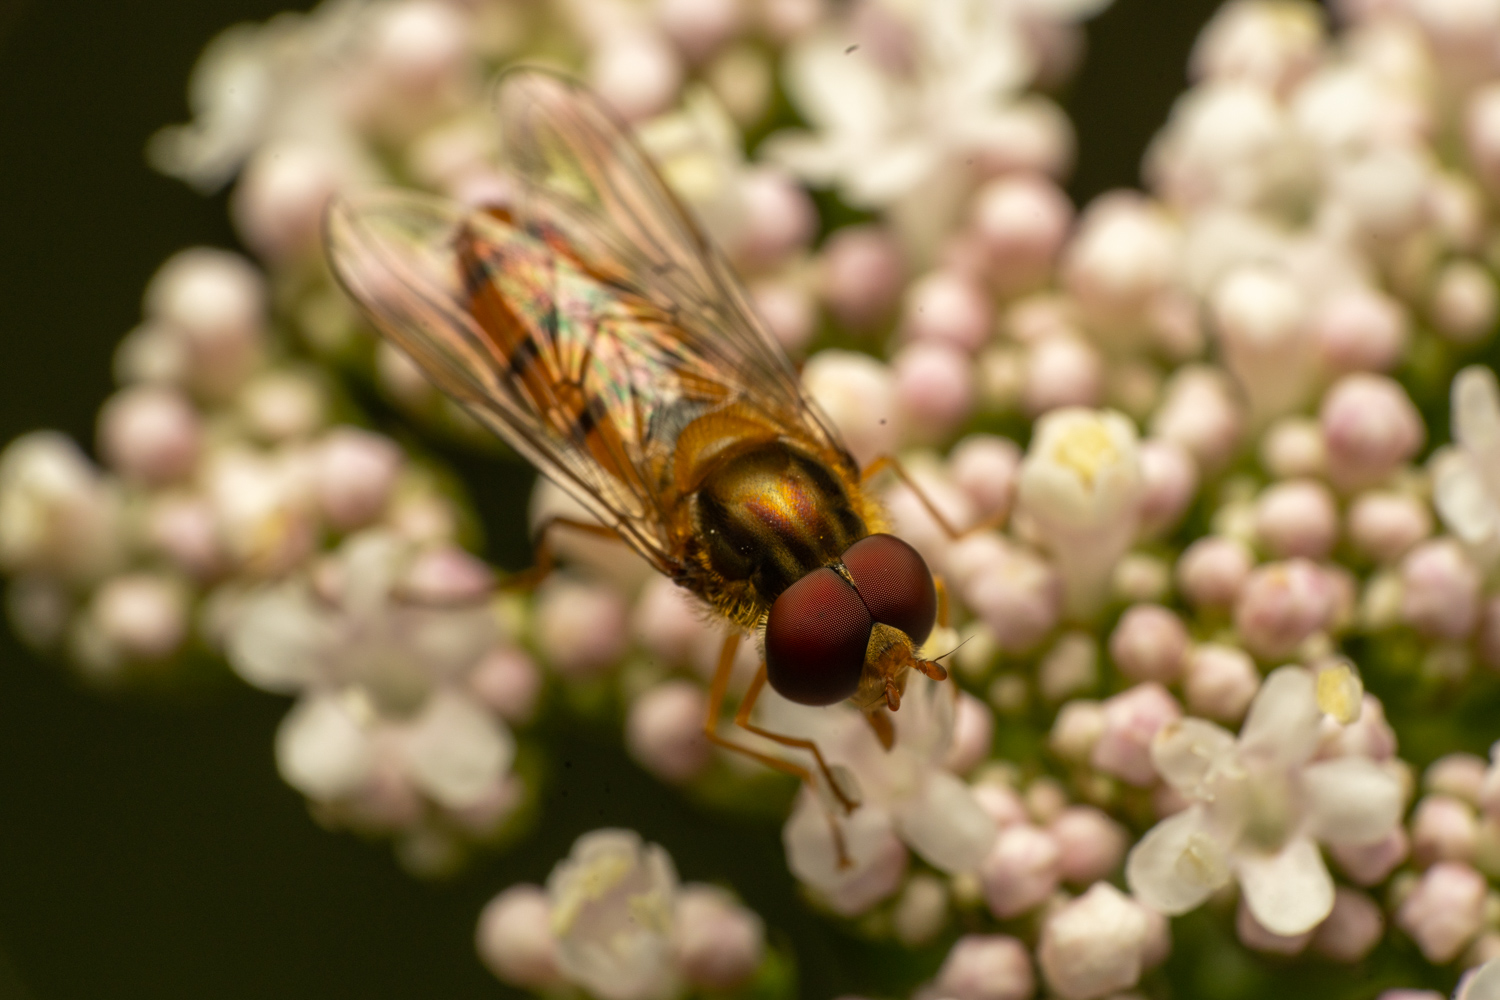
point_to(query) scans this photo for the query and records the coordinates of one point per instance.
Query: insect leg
(883, 462)
(742, 719)
(545, 559)
(716, 694)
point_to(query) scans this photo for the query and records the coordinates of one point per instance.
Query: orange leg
(742, 719)
(546, 560)
(883, 462)
(717, 692)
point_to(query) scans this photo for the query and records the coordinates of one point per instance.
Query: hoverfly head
(833, 634)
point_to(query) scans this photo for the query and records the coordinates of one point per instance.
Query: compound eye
(895, 584)
(816, 636)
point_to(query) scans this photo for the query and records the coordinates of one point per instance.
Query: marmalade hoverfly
(592, 326)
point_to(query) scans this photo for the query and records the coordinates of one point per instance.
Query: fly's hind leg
(546, 559)
(716, 695)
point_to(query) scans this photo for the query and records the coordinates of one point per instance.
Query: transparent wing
(560, 366)
(584, 176)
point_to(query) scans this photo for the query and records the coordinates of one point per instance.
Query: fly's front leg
(546, 560)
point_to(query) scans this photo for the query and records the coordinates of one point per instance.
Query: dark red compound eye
(816, 636)
(895, 584)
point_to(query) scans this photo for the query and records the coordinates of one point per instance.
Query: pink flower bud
(788, 310)
(1445, 910)
(1370, 864)
(862, 274)
(508, 681)
(973, 734)
(1383, 525)
(182, 528)
(1360, 329)
(1260, 314)
(1221, 682)
(446, 574)
(1464, 302)
(1091, 845)
(1062, 371)
(1440, 590)
(985, 467)
(780, 218)
(1021, 221)
(934, 386)
(1371, 428)
(858, 394)
(283, 405)
(1021, 870)
(1212, 570)
(1170, 480)
(1281, 605)
(1149, 644)
(1200, 412)
(1368, 736)
(279, 201)
(1461, 775)
(700, 26)
(1293, 448)
(719, 943)
(1124, 252)
(515, 939)
(664, 731)
(1482, 133)
(1257, 938)
(580, 627)
(1094, 945)
(947, 308)
(638, 72)
(1131, 720)
(1352, 929)
(1443, 829)
(356, 472)
(216, 302)
(150, 434)
(1297, 518)
(1015, 593)
(419, 48)
(140, 616)
(987, 967)
(921, 912)
(1071, 666)
(1078, 728)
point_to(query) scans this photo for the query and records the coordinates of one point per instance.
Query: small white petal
(1461, 499)
(1283, 726)
(1351, 800)
(877, 858)
(458, 751)
(1177, 864)
(945, 825)
(276, 641)
(1289, 892)
(1185, 751)
(1476, 408)
(321, 749)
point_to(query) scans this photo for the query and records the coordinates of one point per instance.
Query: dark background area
(147, 846)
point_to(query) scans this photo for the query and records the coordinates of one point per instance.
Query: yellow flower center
(1086, 448)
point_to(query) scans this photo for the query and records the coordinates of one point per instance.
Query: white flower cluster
(1183, 431)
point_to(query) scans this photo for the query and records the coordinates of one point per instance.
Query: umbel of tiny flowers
(614, 921)
(384, 642)
(1258, 807)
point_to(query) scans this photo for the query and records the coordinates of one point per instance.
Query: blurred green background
(147, 846)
